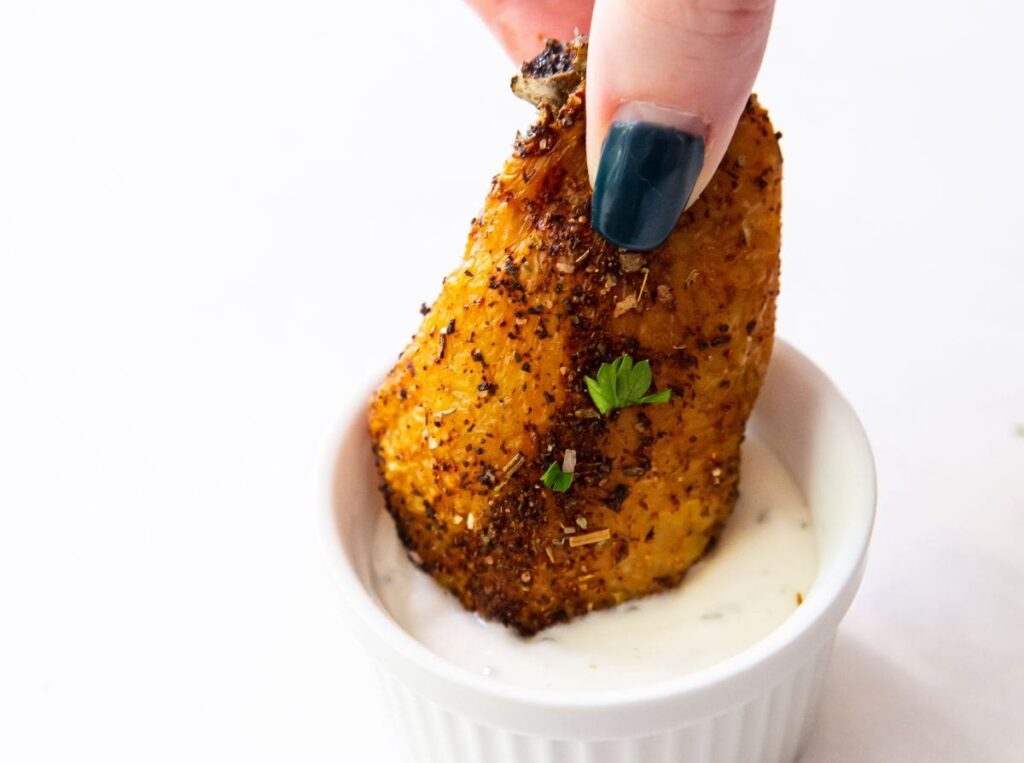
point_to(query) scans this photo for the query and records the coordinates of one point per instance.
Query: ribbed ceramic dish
(755, 706)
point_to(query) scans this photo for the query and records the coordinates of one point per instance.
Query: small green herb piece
(555, 479)
(620, 384)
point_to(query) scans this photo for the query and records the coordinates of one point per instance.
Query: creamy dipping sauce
(735, 596)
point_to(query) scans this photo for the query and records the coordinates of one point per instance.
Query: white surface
(218, 217)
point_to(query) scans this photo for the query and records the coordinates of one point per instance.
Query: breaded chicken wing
(492, 390)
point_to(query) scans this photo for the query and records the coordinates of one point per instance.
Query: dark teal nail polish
(646, 175)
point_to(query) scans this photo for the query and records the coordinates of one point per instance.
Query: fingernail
(647, 171)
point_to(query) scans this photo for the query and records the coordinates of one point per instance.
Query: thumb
(667, 81)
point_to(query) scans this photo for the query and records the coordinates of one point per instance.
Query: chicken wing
(492, 391)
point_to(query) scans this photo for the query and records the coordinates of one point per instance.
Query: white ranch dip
(745, 588)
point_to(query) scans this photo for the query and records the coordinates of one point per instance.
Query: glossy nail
(644, 179)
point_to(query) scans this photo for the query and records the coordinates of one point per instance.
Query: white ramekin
(755, 706)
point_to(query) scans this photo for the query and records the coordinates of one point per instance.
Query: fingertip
(681, 58)
(646, 175)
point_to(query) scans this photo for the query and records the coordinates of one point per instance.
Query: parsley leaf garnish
(556, 479)
(622, 383)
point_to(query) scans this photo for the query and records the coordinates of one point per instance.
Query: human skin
(687, 65)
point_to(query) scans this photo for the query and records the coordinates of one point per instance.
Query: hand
(667, 81)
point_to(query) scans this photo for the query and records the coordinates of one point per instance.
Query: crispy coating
(490, 391)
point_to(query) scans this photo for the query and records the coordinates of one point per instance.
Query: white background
(217, 218)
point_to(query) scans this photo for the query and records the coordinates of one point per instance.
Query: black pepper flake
(556, 58)
(616, 497)
(424, 308)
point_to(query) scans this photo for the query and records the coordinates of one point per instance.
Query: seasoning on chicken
(534, 494)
